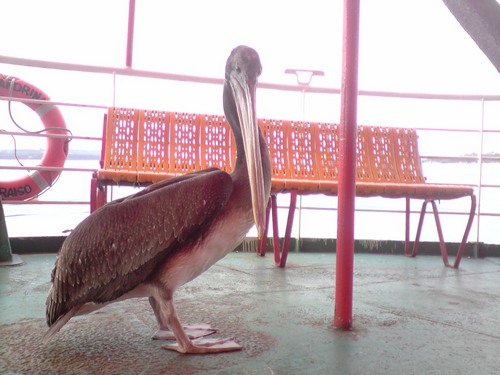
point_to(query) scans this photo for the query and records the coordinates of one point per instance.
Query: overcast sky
(404, 45)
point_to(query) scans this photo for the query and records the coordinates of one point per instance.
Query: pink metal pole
(130, 33)
(347, 168)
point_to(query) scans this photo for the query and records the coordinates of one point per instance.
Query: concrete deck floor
(411, 316)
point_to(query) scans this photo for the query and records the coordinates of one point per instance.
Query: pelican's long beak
(244, 96)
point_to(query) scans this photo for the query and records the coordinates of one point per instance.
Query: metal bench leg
(442, 245)
(288, 232)
(407, 228)
(93, 193)
(461, 249)
(419, 229)
(276, 237)
(98, 193)
(101, 195)
(262, 243)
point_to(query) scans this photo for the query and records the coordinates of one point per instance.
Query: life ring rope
(41, 111)
(36, 181)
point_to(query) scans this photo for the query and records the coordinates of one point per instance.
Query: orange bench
(141, 147)
(305, 161)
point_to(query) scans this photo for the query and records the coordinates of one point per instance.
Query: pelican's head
(242, 71)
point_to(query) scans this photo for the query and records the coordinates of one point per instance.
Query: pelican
(152, 242)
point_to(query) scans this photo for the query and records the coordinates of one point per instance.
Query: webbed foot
(206, 346)
(193, 331)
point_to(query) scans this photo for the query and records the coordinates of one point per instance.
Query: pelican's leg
(193, 331)
(168, 315)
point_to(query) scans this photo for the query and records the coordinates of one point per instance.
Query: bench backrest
(407, 159)
(153, 141)
(217, 144)
(148, 146)
(119, 159)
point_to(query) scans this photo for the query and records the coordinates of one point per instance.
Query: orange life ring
(55, 155)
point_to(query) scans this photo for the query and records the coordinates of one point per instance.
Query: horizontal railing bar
(443, 157)
(491, 130)
(219, 81)
(414, 95)
(106, 70)
(375, 210)
(47, 168)
(428, 157)
(36, 201)
(69, 169)
(466, 130)
(46, 135)
(40, 101)
(462, 130)
(490, 186)
(369, 210)
(484, 157)
(48, 202)
(491, 214)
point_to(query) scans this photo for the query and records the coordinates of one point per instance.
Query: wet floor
(411, 316)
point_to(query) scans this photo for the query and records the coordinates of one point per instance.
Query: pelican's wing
(165, 183)
(117, 247)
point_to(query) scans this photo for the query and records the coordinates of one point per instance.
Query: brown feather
(119, 246)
